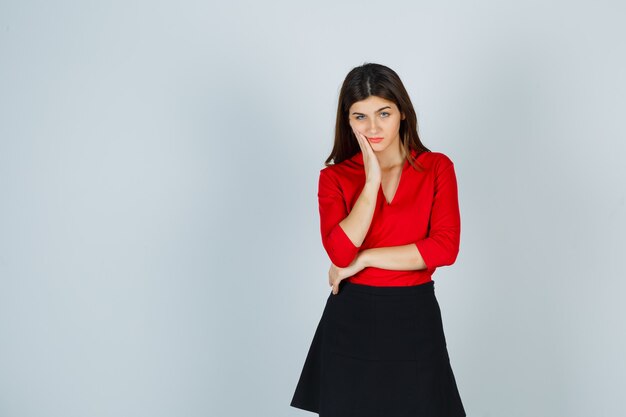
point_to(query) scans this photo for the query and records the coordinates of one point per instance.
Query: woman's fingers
(366, 148)
(363, 144)
(334, 278)
(330, 279)
(362, 140)
(358, 136)
(370, 161)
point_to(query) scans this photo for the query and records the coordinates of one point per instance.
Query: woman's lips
(375, 140)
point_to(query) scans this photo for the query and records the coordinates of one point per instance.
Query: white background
(159, 238)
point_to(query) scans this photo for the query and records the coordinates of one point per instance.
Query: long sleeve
(441, 247)
(333, 209)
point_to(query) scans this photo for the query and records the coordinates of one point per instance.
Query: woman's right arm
(343, 233)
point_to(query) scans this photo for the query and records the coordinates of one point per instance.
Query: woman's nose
(373, 126)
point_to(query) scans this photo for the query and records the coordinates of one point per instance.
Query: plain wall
(159, 239)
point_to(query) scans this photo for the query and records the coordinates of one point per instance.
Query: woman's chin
(377, 147)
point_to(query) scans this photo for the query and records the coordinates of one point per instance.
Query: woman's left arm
(441, 246)
(396, 258)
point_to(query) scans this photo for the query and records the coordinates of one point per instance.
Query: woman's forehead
(371, 104)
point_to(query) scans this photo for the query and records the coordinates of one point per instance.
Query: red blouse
(424, 211)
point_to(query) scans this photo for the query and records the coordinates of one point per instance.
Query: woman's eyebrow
(382, 108)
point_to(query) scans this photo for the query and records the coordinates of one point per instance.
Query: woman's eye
(384, 114)
(359, 117)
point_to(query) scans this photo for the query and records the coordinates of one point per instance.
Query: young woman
(389, 216)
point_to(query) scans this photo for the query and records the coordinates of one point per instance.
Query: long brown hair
(362, 82)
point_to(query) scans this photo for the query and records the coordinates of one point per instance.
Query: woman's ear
(403, 116)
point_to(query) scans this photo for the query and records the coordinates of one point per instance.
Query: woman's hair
(373, 80)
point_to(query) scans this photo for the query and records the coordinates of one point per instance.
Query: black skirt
(379, 352)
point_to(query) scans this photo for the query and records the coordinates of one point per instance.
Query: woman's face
(378, 120)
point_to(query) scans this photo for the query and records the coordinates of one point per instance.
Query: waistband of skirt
(426, 288)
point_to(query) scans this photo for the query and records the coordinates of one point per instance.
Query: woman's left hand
(337, 274)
